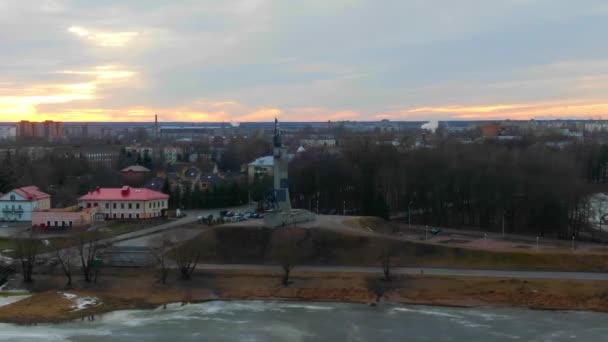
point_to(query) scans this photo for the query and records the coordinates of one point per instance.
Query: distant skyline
(302, 60)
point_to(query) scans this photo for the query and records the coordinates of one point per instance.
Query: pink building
(61, 219)
(126, 203)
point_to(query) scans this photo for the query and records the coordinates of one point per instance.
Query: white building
(8, 133)
(18, 204)
(126, 203)
(263, 166)
(171, 153)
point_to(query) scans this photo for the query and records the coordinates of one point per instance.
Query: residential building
(61, 219)
(135, 174)
(490, 130)
(126, 203)
(140, 151)
(260, 167)
(8, 132)
(18, 204)
(172, 154)
(318, 142)
(50, 130)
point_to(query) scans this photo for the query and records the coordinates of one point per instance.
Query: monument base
(286, 218)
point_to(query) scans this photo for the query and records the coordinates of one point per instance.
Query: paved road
(140, 237)
(417, 270)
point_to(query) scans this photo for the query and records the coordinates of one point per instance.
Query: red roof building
(126, 203)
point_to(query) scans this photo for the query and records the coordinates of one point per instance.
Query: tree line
(523, 187)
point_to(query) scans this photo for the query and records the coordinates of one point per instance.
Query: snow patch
(85, 302)
(80, 303)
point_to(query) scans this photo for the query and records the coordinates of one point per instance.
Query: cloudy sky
(302, 60)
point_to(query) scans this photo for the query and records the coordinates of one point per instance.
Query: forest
(525, 187)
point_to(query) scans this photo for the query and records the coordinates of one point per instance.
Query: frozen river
(272, 321)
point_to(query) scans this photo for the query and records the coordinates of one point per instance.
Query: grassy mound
(247, 245)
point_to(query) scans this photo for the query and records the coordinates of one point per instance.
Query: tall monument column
(282, 215)
(280, 170)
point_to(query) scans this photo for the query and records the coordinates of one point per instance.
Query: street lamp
(573, 243)
(409, 215)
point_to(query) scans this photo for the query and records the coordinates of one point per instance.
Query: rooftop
(263, 161)
(125, 193)
(135, 168)
(31, 193)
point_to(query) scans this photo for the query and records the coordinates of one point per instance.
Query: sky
(302, 60)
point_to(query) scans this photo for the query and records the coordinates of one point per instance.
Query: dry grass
(138, 290)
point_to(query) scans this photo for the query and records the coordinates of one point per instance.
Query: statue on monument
(278, 199)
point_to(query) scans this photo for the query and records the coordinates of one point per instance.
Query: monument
(281, 214)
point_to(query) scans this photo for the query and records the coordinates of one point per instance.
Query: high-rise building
(50, 130)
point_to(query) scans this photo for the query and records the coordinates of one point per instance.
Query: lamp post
(573, 243)
(409, 215)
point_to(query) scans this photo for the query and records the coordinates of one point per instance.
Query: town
(113, 214)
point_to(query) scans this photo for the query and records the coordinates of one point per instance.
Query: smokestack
(156, 126)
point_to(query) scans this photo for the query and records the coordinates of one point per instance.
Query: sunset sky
(302, 60)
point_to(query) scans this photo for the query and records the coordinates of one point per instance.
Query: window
(55, 223)
(136, 205)
(114, 215)
(122, 205)
(130, 206)
(95, 205)
(70, 223)
(114, 205)
(129, 215)
(12, 197)
(107, 205)
(88, 205)
(137, 215)
(48, 223)
(149, 204)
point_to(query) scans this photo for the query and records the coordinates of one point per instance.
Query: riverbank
(134, 289)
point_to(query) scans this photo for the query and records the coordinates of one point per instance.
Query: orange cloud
(22, 103)
(522, 111)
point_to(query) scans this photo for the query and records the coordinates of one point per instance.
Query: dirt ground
(137, 289)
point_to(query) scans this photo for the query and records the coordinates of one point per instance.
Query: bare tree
(161, 247)
(287, 249)
(88, 248)
(66, 256)
(186, 256)
(386, 254)
(26, 250)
